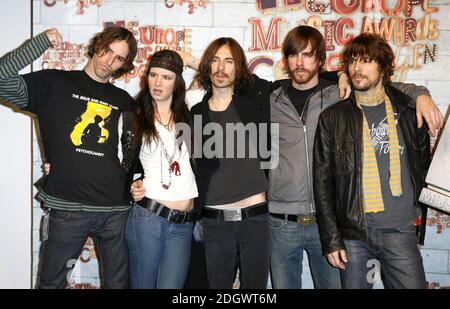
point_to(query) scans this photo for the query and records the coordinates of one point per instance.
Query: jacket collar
(399, 100)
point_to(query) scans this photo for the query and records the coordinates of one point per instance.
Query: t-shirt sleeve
(38, 88)
(194, 96)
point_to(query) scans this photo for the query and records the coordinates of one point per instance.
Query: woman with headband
(160, 226)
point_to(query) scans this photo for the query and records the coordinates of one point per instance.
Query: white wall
(15, 158)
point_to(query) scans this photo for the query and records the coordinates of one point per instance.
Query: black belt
(300, 219)
(172, 215)
(238, 214)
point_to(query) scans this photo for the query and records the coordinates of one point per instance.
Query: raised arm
(12, 87)
(426, 109)
(189, 60)
(421, 100)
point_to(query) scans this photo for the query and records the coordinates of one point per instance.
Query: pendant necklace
(174, 166)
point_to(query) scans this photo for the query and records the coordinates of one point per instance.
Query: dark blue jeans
(68, 231)
(159, 250)
(238, 243)
(396, 253)
(288, 240)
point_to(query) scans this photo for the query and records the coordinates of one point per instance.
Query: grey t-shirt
(236, 178)
(399, 211)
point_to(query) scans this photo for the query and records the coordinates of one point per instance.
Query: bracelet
(340, 73)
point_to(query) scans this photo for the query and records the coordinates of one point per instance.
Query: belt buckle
(175, 214)
(232, 215)
(306, 220)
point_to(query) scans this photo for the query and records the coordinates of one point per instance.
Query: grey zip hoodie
(290, 182)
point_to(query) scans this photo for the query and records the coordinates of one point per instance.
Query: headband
(167, 63)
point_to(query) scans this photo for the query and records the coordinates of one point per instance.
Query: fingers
(427, 110)
(432, 118)
(419, 119)
(344, 86)
(46, 168)
(342, 90)
(54, 36)
(137, 190)
(348, 91)
(440, 119)
(343, 255)
(338, 259)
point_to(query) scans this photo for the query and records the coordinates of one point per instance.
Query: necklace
(167, 126)
(174, 166)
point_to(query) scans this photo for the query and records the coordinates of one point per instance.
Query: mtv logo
(437, 192)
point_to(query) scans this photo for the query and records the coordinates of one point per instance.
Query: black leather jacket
(337, 168)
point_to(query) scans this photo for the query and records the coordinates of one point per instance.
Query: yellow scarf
(373, 198)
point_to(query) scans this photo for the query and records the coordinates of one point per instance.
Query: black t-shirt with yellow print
(78, 119)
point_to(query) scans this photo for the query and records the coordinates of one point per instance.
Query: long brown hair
(146, 106)
(243, 76)
(101, 41)
(373, 47)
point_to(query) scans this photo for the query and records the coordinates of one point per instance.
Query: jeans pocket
(60, 215)
(276, 223)
(140, 212)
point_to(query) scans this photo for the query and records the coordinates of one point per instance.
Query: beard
(306, 76)
(225, 83)
(364, 83)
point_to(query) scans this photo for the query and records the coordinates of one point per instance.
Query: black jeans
(68, 231)
(237, 243)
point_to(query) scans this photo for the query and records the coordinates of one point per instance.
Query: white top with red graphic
(164, 181)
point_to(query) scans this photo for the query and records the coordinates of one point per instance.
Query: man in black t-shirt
(85, 124)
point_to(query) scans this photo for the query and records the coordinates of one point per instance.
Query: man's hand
(54, 36)
(46, 168)
(344, 85)
(338, 259)
(188, 59)
(137, 190)
(428, 110)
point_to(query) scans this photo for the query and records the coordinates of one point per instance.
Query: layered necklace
(174, 166)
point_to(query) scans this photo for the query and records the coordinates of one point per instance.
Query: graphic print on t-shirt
(379, 134)
(91, 129)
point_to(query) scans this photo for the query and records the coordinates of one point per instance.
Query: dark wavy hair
(298, 39)
(101, 41)
(242, 74)
(373, 47)
(146, 106)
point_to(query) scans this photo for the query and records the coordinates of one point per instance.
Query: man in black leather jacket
(370, 162)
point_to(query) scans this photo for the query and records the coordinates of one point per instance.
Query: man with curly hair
(86, 130)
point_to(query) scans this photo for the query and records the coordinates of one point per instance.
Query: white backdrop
(15, 158)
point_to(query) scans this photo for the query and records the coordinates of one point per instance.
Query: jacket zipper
(360, 167)
(308, 172)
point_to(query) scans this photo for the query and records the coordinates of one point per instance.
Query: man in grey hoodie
(296, 106)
